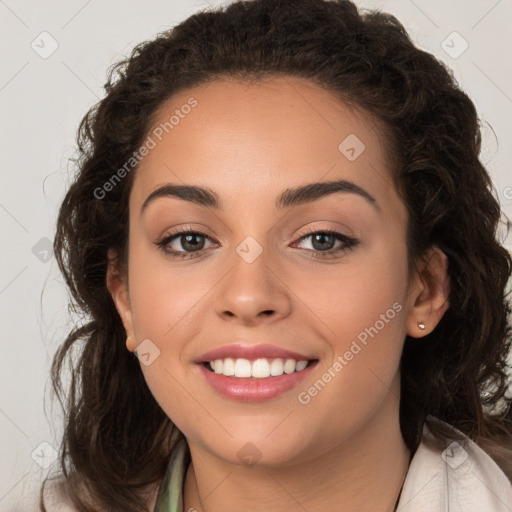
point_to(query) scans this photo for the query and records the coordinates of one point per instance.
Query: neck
(363, 472)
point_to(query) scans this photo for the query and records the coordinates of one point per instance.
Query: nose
(253, 292)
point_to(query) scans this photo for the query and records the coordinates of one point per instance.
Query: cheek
(163, 297)
(361, 292)
(165, 301)
(363, 311)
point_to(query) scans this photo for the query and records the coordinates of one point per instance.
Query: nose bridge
(252, 290)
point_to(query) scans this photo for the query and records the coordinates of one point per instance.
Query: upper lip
(259, 351)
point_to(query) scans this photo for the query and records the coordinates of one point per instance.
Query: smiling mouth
(262, 368)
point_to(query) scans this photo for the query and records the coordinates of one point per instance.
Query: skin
(249, 143)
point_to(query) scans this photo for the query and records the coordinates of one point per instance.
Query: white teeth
(219, 365)
(259, 369)
(242, 368)
(301, 365)
(276, 367)
(229, 367)
(289, 366)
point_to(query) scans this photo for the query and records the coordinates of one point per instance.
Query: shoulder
(456, 476)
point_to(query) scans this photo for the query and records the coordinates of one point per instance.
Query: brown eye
(325, 242)
(183, 244)
(191, 242)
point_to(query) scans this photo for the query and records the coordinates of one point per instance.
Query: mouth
(253, 372)
(258, 380)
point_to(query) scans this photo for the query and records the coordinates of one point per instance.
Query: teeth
(242, 368)
(229, 367)
(259, 369)
(301, 365)
(276, 367)
(289, 366)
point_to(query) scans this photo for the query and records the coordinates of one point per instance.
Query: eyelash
(349, 243)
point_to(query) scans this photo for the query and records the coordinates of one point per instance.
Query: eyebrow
(204, 196)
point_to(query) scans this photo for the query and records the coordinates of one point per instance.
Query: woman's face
(256, 275)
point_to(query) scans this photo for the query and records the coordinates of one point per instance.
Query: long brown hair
(117, 439)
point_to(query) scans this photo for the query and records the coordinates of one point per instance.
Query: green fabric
(170, 495)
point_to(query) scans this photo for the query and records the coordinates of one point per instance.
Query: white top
(461, 478)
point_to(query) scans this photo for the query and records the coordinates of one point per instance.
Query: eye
(323, 242)
(191, 243)
(188, 243)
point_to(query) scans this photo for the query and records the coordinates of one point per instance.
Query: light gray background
(42, 102)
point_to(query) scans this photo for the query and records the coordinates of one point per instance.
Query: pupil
(188, 239)
(321, 238)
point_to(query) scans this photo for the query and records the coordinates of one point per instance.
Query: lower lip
(254, 390)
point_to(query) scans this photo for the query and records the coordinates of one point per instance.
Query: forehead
(233, 135)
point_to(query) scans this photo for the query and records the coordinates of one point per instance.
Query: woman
(286, 247)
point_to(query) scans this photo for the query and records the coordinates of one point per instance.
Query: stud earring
(421, 325)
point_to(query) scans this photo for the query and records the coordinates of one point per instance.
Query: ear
(117, 284)
(428, 293)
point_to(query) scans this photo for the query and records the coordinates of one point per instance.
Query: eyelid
(184, 229)
(180, 231)
(342, 230)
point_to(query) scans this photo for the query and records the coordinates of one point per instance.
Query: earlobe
(118, 288)
(429, 297)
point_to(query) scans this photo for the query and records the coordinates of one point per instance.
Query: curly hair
(457, 373)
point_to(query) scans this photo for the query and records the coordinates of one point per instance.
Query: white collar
(460, 478)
